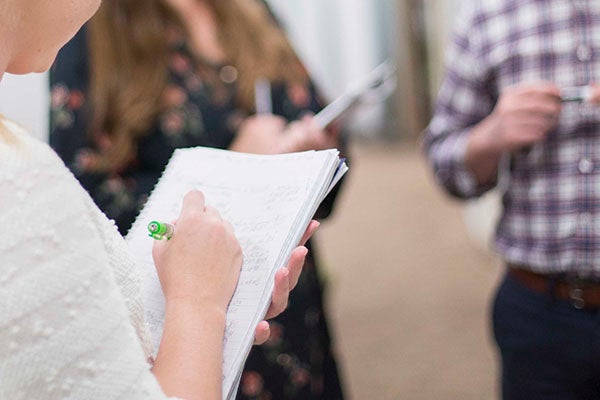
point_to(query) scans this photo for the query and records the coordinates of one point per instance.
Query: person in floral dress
(102, 128)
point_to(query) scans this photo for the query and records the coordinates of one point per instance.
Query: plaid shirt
(551, 216)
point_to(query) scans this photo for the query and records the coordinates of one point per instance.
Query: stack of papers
(269, 200)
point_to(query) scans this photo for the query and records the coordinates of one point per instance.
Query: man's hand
(523, 116)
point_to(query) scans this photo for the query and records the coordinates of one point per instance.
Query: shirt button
(585, 166)
(584, 53)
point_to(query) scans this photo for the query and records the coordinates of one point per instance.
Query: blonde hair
(129, 64)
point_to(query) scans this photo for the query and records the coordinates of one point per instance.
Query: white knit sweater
(71, 318)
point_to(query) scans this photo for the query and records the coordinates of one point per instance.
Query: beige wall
(439, 16)
(423, 32)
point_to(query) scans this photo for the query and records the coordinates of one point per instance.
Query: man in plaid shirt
(520, 82)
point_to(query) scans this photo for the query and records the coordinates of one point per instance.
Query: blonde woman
(148, 76)
(71, 318)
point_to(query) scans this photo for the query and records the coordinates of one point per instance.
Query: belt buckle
(576, 294)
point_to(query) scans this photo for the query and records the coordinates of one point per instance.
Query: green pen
(160, 230)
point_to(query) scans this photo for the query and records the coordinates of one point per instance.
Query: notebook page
(319, 187)
(262, 197)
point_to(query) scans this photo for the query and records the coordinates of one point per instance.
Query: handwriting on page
(263, 197)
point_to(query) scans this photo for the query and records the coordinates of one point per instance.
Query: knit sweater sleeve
(65, 328)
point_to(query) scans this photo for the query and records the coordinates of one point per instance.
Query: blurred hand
(201, 262)
(260, 134)
(305, 134)
(183, 7)
(595, 94)
(285, 280)
(524, 115)
(269, 134)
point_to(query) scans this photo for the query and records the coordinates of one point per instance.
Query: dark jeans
(549, 349)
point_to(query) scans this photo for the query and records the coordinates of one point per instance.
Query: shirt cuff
(464, 179)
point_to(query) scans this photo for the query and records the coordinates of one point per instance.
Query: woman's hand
(201, 262)
(260, 134)
(305, 134)
(269, 134)
(198, 270)
(285, 281)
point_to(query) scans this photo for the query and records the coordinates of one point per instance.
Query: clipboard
(375, 87)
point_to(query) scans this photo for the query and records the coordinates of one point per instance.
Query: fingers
(265, 121)
(212, 212)
(594, 96)
(193, 203)
(262, 332)
(281, 293)
(542, 107)
(229, 227)
(319, 138)
(306, 134)
(275, 121)
(333, 130)
(158, 248)
(312, 227)
(295, 265)
(526, 113)
(259, 134)
(285, 280)
(534, 93)
(523, 103)
(194, 207)
(545, 89)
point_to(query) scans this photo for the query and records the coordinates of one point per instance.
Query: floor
(409, 289)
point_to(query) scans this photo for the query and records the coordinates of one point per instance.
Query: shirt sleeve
(465, 98)
(65, 331)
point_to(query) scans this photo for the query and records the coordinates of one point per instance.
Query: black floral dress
(297, 361)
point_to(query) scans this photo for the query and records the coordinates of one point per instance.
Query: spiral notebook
(269, 199)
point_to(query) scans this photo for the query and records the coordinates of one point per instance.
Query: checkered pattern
(551, 218)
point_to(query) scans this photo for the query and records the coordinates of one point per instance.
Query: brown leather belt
(582, 293)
